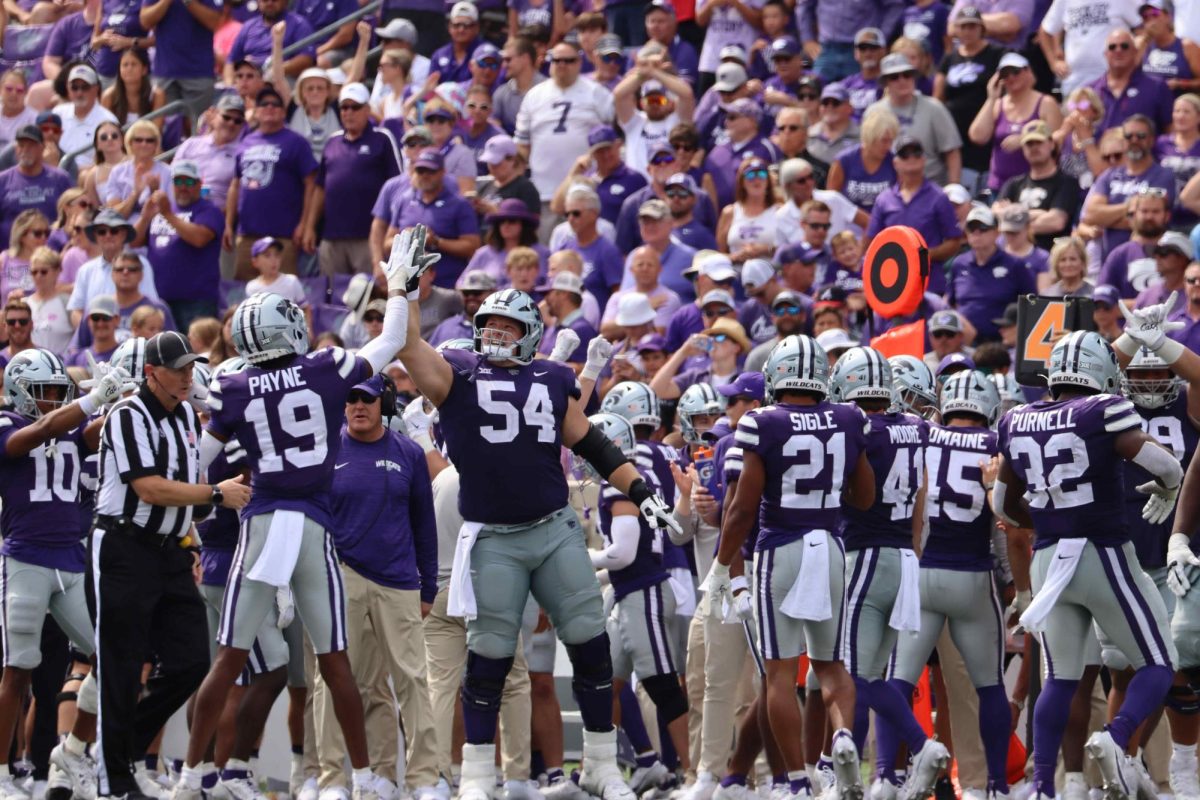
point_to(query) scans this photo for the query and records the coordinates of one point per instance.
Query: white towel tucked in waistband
(1062, 569)
(684, 590)
(461, 601)
(906, 613)
(277, 561)
(809, 596)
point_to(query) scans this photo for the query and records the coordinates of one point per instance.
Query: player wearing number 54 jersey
(1061, 474)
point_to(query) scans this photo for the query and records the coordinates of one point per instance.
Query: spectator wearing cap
(914, 200)
(798, 267)
(1016, 241)
(1107, 315)
(247, 83)
(312, 108)
(830, 31)
(951, 364)
(520, 67)
(654, 227)
(862, 173)
(784, 87)
(31, 183)
(986, 279)
(215, 153)
(662, 26)
(126, 274)
(605, 62)
(602, 166)
(682, 194)
(274, 191)
(356, 162)
(776, 20)
(789, 317)
(507, 169)
(358, 329)
(452, 60)
(709, 271)
(509, 227)
(1172, 254)
(1168, 56)
(797, 181)
(1050, 197)
(182, 237)
(477, 128)
(1007, 23)
(113, 234)
(947, 336)
(254, 39)
(1067, 269)
(556, 117)
(398, 42)
(602, 261)
(81, 114)
(723, 344)
(184, 64)
(927, 119)
(836, 130)
(645, 268)
(453, 228)
(1073, 37)
(732, 83)
(744, 141)
(564, 301)
(442, 120)
(474, 287)
(649, 102)
(1012, 103)
(758, 279)
(1126, 89)
(570, 261)
(1130, 266)
(664, 163)
(1107, 203)
(746, 228)
(103, 317)
(961, 83)
(791, 138)
(1006, 324)
(863, 87)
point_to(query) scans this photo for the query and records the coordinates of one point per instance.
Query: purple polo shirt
(603, 266)
(183, 47)
(687, 320)
(684, 59)
(980, 292)
(862, 92)
(628, 234)
(723, 160)
(449, 216)
(322, 13)
(120, 16)
(352, 173)
(929, 211)
(71, 39)
(453, 71)
(613, 190)
(181, 271)
(271, 169)
(576, 322)
(1145, 94)
(1130, 267)
(1118, 185)
(254, 38)
(19, 192)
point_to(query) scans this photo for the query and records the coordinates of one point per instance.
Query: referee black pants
(145, 606)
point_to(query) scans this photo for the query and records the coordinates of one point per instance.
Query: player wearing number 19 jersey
(1064, 458)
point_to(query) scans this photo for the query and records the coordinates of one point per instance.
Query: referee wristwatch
(218, 497)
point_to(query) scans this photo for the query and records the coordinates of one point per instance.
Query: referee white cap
(170, 349)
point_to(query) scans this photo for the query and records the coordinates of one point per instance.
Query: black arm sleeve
(599, 451)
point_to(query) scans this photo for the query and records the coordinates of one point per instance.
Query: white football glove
(599, 351)
(1161, 502)
(1149, 326)
(420, 422)
(564, 344)
(286, 606)
(741, 610)
(408, 260)
(656, 511)
(1179, 558)
(107, 388)
(717, 593)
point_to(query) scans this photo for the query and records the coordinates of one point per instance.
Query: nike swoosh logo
(1060, 558)
(540, 374)
(339, 466)
(814, 544)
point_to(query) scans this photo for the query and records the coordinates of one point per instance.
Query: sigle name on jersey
(822, 421)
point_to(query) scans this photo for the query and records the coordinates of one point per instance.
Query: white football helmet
(699, 398)
(862, 373)
(797, 363)
(198, 394)
(455, 344)
(635, 401)
(269, 326)
(916, 389)
(498, 345)
(29, 375)
(130, 356)
(1144, 392)
(1083, 360)
(971, 392)
(618, 430)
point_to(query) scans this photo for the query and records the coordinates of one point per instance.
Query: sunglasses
(663, 159)
(461, 26)
(975, 227)
(868, 46)
(487, 63)
(907, 74)
(818, 226)
(720, 337)
(786, 311)
(678, 194)
(79, 87)
(1008, 72)
(909, 152)
(717, 312)
(1120, 46)
(1152, 191)
(438, 121)
(612, 58)
(126, 270)
(183, 180)
(104, 230)
(1129, 137)
(109, 137)
(565, 60)
(808, 96)
(270, 104)
(100, 318)
(685, 148)
(20, 323)
(417, 143)
(360, 397)
(373, 318)
(351, 107)
(944, 334)
(656, 100)
(789, 128)
(830, 102)
(426, 171)
(756, 175)
(575, 212)
(144, 140)
(1192, 281)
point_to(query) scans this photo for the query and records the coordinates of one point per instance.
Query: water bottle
(706, 469)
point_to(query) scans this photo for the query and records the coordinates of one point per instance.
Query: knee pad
(88, 702)
(667, 695)
(592, 664)
(65, 697)
(1183, 699)
(1193, 677)
(483, 683)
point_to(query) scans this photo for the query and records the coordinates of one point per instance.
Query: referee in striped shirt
(142, 595)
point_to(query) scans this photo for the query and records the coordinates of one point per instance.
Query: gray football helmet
(797, 363)
(27, 377)
(699, 398)
(130, 356)
(268, 326)
(1083, 360)
(1008, 389)
(497, 345)
(1149, 392)
(619, 432)
(634, 401)
(455, 344)
(971, 392)
(862, 373)
(915, 387)
(198, 394)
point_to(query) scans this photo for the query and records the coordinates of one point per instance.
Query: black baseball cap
(172, 350)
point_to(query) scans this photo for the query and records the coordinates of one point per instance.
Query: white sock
(4, 773)
(190, 776)
(361, 777)
(74, 745)
(1188, 750)
(237, 763)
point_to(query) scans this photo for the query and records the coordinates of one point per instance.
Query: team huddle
(843, 511)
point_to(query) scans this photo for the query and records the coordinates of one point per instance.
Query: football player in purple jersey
(1061, 473)
(505, 417)
(802, 458)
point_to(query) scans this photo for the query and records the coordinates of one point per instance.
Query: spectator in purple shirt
(452, 60)
(254, 39)
(662, 26)
(564, 301)
(120, 29)
(603, 265)
(984, 280)
(828, 28)
(863, 87)
(602, 164)
(720, 166)
(183, 54)
(1129, 267)
(1127, 90)
(215, 152)
(453, 228)
(31, 183)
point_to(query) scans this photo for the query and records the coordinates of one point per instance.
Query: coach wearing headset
(386, 539)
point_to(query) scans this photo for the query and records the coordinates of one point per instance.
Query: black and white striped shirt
(140, 438)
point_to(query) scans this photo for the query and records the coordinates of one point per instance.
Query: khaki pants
(725, 661)
(694, 676)
(345, 257)
(446, 655)
(386, 624)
